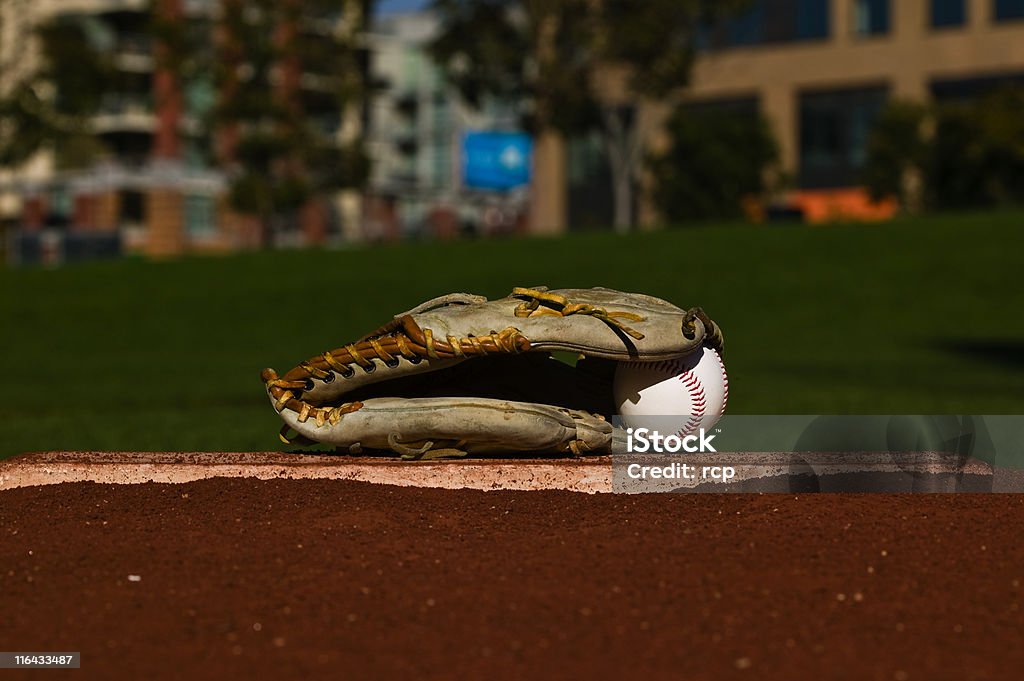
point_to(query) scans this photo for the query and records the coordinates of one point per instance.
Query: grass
(914, 316)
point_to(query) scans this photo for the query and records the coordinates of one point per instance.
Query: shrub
(968, 154)
(978, 155)
(716, 159)
(896, 151)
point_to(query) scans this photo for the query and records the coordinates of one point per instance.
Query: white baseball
(695, 388)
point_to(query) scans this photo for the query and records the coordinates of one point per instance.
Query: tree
(279, 158)
(717, 158)
(575, 65)
(51, 107)
(896, 153)
(964, 154)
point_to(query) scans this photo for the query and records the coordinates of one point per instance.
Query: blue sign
(496, 160)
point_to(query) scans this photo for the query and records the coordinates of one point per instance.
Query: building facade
(820, 71)
(149, 185)
(159, 183)
(415, 129)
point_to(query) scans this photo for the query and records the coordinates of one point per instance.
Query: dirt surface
(290, 579)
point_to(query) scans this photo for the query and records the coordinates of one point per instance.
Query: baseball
(695, 388)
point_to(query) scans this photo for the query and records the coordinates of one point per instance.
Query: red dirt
(329, 579)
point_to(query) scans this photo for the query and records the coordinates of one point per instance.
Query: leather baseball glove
(464, 375)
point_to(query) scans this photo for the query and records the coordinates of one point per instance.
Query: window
(199, 214)
(770, 21)
(200, 95)
(132, 210)
(1008, 9)
(61, 203)
(812, 19)
(834, 129)
(747, 28)
(871, 17)
(945, 13)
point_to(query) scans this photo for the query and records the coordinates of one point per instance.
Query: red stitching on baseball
(725, 381)
(698, 398)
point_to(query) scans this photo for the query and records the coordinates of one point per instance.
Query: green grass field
(914, 316)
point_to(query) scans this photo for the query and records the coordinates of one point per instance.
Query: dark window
(834, 129)
(812, 19)
(770, 21)
(948, 13)
(131, 147)
(133, 207)
(871, 17)
(1008, 9)
(747, 28)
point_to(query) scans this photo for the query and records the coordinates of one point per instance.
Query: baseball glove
(464, 375)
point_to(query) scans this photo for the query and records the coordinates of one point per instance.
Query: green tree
(963, 154)
(977, 156)
(717, 159)
(897, 153)
(279, 157)
(51, 107)
(576, 65)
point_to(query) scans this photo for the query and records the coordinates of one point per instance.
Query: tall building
(415, 130)
(151, 184)
(18, 58)
(159, 184)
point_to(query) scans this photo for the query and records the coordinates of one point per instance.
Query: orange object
(837, 205)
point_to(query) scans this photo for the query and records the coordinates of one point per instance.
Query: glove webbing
(402, 338)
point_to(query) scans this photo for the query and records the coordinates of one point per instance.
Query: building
(17, 59)
(415, 129)
(820, 71)
(150, 187)
(160, 186)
